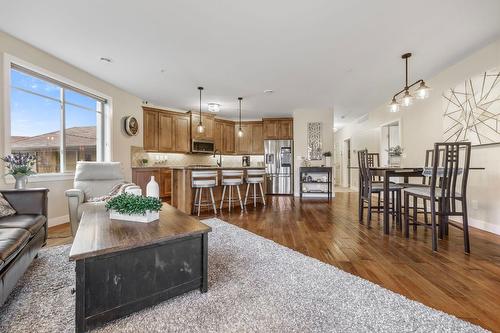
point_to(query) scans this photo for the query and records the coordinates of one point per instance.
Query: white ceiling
(342, 54)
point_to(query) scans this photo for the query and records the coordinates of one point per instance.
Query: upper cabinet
(224, 136)
(208, 121)
(150, 132)
(252, 141)
(182, 133)
(228, 137)
(166, 131)
(244, 143)
(171, 132)
(257, 138)
(278, 128)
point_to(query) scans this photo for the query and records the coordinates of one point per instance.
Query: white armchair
(92, 179)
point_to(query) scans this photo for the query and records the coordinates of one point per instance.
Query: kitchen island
(183, 193)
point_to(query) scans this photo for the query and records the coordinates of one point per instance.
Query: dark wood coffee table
(122, 267)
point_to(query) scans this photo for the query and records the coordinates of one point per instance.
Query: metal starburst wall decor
(472, 110)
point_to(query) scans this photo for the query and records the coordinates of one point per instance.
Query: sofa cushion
(5, 207)
(29, 222)
(12, 240)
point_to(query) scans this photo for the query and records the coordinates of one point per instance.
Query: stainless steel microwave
(202, 146)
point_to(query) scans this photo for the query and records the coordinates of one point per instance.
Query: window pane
(35, 128)
(75, 98)
(80, 135)
(22, 80)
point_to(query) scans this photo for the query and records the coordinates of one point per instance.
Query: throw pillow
(5, 207)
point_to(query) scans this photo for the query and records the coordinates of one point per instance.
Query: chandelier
(407, 98)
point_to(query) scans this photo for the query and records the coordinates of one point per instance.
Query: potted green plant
(20, 166)
(131, 207)
(395, 154)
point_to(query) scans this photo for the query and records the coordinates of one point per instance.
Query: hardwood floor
(467, 286)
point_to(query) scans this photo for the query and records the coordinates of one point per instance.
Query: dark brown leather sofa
(21, 235)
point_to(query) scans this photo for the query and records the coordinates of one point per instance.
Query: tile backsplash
(173, 159)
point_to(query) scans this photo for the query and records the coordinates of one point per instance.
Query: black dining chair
(368, 187)
(447, 186)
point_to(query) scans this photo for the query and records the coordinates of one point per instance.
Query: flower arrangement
(131, 204)
(327, 154)
(395, 151)
(20, 164)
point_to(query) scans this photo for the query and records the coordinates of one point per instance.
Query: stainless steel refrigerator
(279, 166)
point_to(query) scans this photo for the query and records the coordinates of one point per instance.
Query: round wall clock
(131, 126)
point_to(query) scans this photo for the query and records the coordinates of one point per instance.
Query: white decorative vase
(153, 189)
(328, 161)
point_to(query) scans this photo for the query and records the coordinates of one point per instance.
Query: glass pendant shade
(394, 106)
(200, 128)
(240, 132)
(423, 91)
(407, 99)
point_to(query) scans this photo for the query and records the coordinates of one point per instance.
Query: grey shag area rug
(255, 285)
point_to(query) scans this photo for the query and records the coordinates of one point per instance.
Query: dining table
(388, 172)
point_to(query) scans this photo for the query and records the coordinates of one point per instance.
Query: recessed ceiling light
(213, 107)
(106, 59)
(268, 91)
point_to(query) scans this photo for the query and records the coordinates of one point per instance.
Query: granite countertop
(198, 167)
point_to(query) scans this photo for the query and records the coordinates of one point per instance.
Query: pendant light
(200, 128)
(240, 131)
(407, 99)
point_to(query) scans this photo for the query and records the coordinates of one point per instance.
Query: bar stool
(199, 181)
(231, 178)
(255, 177)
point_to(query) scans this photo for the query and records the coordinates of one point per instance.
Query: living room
(244, 128)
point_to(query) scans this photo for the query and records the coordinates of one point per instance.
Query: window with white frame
(54, 121)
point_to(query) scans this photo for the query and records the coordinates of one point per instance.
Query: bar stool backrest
(232, 175)
(256, 173)
(451, 171)
(199, 176)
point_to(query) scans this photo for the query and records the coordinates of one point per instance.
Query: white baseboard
(58, 220)
(483, 225)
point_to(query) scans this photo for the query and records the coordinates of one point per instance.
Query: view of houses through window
(58, 124)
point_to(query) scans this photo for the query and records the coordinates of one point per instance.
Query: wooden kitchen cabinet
(270, 129)
(165, 183)
(163, 176)
(278, 128)
(218, 135)
(224, 140)
(165, 132)
(182, 132)
(228, 138)
(208, 121)
(244, 143)
(150, 130)
(257, 139)
(285, 129)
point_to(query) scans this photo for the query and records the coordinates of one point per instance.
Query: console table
(316, 171)
(122, 266)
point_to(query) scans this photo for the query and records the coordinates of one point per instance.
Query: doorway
(390, 138)
(346, 163)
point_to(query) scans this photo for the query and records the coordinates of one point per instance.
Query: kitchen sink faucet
(219, 162)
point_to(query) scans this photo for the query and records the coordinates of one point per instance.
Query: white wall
(300, 119)
(421, 126)
(123, 104)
